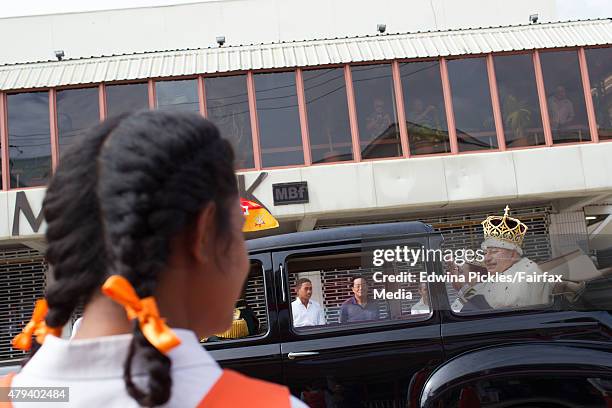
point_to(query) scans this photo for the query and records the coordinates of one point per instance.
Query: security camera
(59, 54)
(533, 18)
(381, 28)
(221, 40)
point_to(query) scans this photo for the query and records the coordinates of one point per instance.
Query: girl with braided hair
(143, 220)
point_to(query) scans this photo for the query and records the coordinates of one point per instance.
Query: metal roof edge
(313, 41)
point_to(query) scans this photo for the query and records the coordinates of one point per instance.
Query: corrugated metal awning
(305, 53)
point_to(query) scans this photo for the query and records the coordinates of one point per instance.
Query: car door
(369, 363)
(558, 319)
(258, 354)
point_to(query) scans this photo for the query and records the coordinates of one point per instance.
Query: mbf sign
(290, 193)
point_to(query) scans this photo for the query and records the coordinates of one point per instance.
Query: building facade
(444, 126)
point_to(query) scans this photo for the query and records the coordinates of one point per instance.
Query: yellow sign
(257, 218)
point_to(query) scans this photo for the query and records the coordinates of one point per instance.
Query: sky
(580, 9)
(567, 9)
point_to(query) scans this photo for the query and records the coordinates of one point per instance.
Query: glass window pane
(251, 311)
(565, 96)
(328, 120)
(227, 103)
(424, 107)
(177, 95)
(29, 139)
(126, 98)
(599, 61)
(340, 290)
(518, 97)
(472, 104)
(279, 122)
(376, 115)
(77, 110)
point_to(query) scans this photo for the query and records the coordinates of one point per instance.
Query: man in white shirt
(306, 312)
(422, 306)
(561, 109)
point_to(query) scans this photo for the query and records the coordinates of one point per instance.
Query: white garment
(93, 371)
(457, 305)
(307, 316)
(419, 308)
(561, 111)
(75, 326)
(501, 295)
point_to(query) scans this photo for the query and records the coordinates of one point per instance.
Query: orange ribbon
(35, 327)
(145, 310)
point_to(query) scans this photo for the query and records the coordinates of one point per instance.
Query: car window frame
(446, 305)
(265, 337)
(354, 246)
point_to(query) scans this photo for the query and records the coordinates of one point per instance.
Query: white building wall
(416, 184)
(245, 22)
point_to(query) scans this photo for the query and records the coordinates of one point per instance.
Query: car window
(250, 319)
(497, 279)
(345, 289)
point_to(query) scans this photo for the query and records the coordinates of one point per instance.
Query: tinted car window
(339, 290)
(250, 314)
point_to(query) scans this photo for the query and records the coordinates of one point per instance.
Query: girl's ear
(205, 231)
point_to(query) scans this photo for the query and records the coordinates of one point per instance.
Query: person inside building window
(422, 115)
(561, 109)
(306, 312)
(359, 307)
(379, 120)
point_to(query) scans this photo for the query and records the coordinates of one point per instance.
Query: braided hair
(117, 198)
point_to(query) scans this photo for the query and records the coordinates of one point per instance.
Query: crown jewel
(505, 228)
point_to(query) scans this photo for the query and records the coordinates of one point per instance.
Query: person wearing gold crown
(504, 255)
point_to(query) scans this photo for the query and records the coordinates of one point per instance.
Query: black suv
(557, 354)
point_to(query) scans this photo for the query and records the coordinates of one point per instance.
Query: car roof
(295, 239)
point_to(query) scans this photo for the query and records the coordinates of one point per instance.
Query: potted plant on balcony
(426, 140)
(517, 117)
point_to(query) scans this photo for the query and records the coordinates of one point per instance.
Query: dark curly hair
(117, 198)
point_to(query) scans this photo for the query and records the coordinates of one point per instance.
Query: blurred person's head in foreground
(149, 200)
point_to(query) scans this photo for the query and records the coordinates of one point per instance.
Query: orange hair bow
(35, 327)
(152, 325)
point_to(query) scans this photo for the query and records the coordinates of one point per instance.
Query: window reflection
(565, 97)
(279, 121)
(227, 103)
(328, 120)
(29, 139)
(518, 97)
(472, 104)
(177, 95)
(126, 98)
(376, 115)
(424, 106)
(599, 61)
(77, 110)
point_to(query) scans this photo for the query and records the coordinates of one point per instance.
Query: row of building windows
(312, 116)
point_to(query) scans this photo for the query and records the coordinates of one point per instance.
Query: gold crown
(506, 228)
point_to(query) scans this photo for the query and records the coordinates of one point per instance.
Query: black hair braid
(158, 366)
(156, 174)
(74, 249)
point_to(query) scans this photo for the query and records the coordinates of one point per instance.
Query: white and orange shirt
(92, 369)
